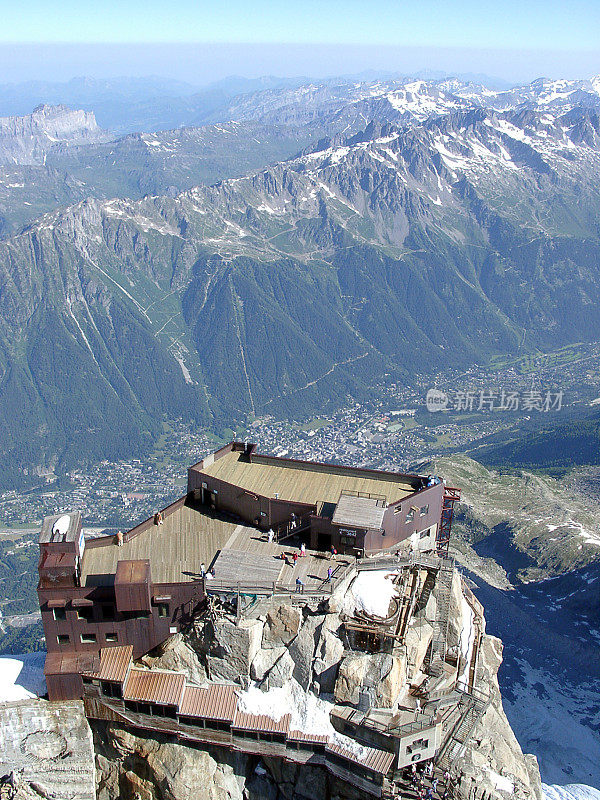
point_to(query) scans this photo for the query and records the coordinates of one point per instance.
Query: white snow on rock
(373, 591)
(467, 635)
(29, 669)
(308, 712)
(10, 670)
(500, 782)
(573, 791)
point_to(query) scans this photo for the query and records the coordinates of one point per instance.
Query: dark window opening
(59, 614)
(163, 609)
(111, 689)
(111, 637)
(63, 638)
(88, 638)
(86, 613)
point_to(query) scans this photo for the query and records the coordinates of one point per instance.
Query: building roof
(261, 723)
(61, 528)
(70, 663)
(359, 512)
(189, 537)
(303, 481)
(241, 566)
(301, 736)
(217, 702)
(133, 571)
(114, 663)
(371, 758)
(154, 686)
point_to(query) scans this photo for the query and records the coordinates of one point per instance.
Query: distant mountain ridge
(395, 249)
(28, 140)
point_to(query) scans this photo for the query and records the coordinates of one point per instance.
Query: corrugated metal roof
(114, 663)
(153, 686)
(261, 723)
(217, 701)
(371, 758)
(301, 736)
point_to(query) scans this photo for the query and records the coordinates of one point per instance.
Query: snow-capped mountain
(403, 101)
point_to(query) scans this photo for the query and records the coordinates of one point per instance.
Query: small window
(59, 614)
(397, 509)
(63, 638)
(86, 613)
(424, 534)
(88, 638)
(410, 516)
(418, 744)
(163, 609)
(111, 637)
(424, 510)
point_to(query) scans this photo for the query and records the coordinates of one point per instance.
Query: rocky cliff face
(304, 649)
(28, 140)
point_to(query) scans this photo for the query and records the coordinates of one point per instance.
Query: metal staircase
(440, 625)
(472, 707)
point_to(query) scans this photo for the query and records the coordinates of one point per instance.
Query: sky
(201, 41)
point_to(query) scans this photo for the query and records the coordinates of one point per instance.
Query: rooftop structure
(302, 481)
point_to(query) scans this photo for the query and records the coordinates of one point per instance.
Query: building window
(397, 509)
(63, 638)
(59, 614)
(111, 637)
(163, 609)
(424, 534)
(424, 510)
(410, 516)
(88, 638)
(110, 689)
(86, 613)
(418, 744)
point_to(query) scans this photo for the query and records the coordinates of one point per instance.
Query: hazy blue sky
(513, 38)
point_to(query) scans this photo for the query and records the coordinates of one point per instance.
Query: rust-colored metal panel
(311, 738)
(152, 686)
(261, 723)
(114, 663)
(371, 758)
(216, 702)
(132, 585)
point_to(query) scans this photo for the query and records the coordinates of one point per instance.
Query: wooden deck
(311, 569)
(304, 482)
(190, 536)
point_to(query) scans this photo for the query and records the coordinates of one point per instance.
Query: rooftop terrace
(303, 482)
(192, 535)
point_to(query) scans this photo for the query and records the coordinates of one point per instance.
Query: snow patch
(10, 690)
(373, 591)
(572, 791)
(309, 714)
